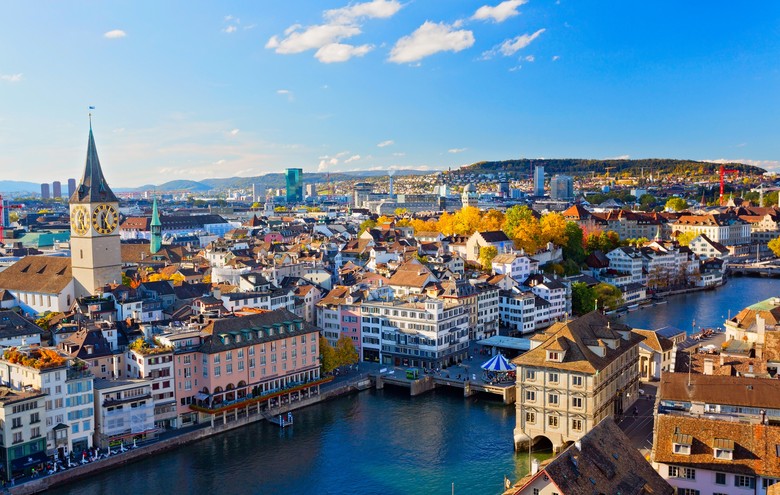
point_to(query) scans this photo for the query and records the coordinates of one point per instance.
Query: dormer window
(723, 449)
(681, 444)
(555, 356)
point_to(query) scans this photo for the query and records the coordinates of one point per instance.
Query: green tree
(774, 245)
(486, 255)
(676, 204)
(521, 225)
(647, 201)
(573, 249)
(328, 359)
(583, 298)
(609, 296)
(345, 352)
(570, 267)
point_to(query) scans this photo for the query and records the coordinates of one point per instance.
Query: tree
(647, 202)
(327, 356)
(609, 296)
(573, 249)
(774, 245)
(583, 298)
(466, 220)
(521, 225)
(446, 224)
(676, 204)
(486, 255)
(685, 238)
(553, 227)
(366, 225)
(492, 220)
(399, 212)
(345, 351)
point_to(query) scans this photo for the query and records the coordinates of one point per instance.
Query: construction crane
(723, 172)
(607, 170)
(2, 221)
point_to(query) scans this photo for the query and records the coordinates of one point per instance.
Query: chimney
(708, 366)
(722, 359)
(534, 466)
(750, 368)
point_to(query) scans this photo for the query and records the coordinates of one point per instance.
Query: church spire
(93, 187)
(156, 229)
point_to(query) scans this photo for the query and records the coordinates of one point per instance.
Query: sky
(193, 89)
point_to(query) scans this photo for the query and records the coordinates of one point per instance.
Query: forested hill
(578, 166)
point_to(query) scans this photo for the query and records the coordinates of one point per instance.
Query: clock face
(104, 218)
(79, 220)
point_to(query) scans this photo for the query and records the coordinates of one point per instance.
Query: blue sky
(217, 89)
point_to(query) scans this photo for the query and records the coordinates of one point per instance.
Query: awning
(201, 396)
(29, 461)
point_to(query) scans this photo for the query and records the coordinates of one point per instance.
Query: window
(576, 381)
(552, 356)
(681, 448)
(724, 454)
(16, 423)
(530, 396)
(530, 417)
(552, 399)
(687, 491)
(35, 432)
(217, 371)
(229, 368)
(530, 375)
(682, 472)
(576, 424)
(553, 377)
(742, 481)
(576, 402)
(720, 478)
(552, 421)
(18, 437)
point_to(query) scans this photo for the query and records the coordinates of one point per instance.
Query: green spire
(156, 228)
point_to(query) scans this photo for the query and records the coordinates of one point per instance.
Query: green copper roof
(93, 187)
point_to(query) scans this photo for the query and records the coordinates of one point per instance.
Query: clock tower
(94, 229)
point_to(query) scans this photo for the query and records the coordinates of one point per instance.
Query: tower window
(81, 253)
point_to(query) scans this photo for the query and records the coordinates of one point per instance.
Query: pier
(470, 384)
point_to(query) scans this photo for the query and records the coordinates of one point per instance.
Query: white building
(124, 410)
(155, 364)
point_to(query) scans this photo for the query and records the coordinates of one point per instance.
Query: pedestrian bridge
(426, 383)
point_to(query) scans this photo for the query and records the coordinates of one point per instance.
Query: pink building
(249, 364)
(338, 314)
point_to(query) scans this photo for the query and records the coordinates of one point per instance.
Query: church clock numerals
(79, 220)
(104, 218)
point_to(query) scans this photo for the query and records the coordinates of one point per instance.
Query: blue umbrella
(498, 363)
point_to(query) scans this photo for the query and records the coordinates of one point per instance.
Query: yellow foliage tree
(446, 224)
(492, 220)
(553, 227)
(466, 220)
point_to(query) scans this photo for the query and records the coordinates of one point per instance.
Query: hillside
(576, 166)
(17, 186)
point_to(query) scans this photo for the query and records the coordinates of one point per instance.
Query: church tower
(156, 228)
(94, 229)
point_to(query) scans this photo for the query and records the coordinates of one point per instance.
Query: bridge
(760, 269)
(470, 385)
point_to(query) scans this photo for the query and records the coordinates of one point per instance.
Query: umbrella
(498, 363)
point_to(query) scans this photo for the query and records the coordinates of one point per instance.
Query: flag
(91, 108)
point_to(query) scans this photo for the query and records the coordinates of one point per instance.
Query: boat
(656, 302)
(633, 307)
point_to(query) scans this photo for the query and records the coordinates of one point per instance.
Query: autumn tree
(774, 245)
(553, 229)
(685, 238)
(327, 356)
(466, 220)
(345, 351)
(366, 225)
(486, 255)
(521, 225)
(446, 224)
(492, 220)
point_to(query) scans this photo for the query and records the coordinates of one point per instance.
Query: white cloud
(287, 93)
(326, 162)
(619, 157)
(114, 34)
(529, 58)
(234, 132)
(500, 12)
(340, 52)
(515, 68)
(556, 58)
(352, 158)
(230, 29)
(376, 9)
(12, 78)
(399, 154)
(311, 38)
(456, 150)
(384, 144)
(428, 39)
(512, 45)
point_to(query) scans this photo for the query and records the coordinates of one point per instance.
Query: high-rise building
(311, 190)
(156, 229)
(71, 187)
(362, 191)
(45, 194)
(294, 185)
(539, 180)
(94, 229)
(503, 188)
(561, 187)
(56, 189)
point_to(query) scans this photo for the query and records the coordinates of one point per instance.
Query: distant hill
(577, 166)
(17, 186)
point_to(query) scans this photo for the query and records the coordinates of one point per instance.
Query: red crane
(723, 172)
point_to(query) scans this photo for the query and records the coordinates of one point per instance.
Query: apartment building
(577, 373)
(155, 364)
(23, 442)
(517, 310)
(427, 333)
(124, 411)
(717, 434)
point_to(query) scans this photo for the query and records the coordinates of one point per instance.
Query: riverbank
(343, 387)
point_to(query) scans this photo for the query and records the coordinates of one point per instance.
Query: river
(383, 442)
